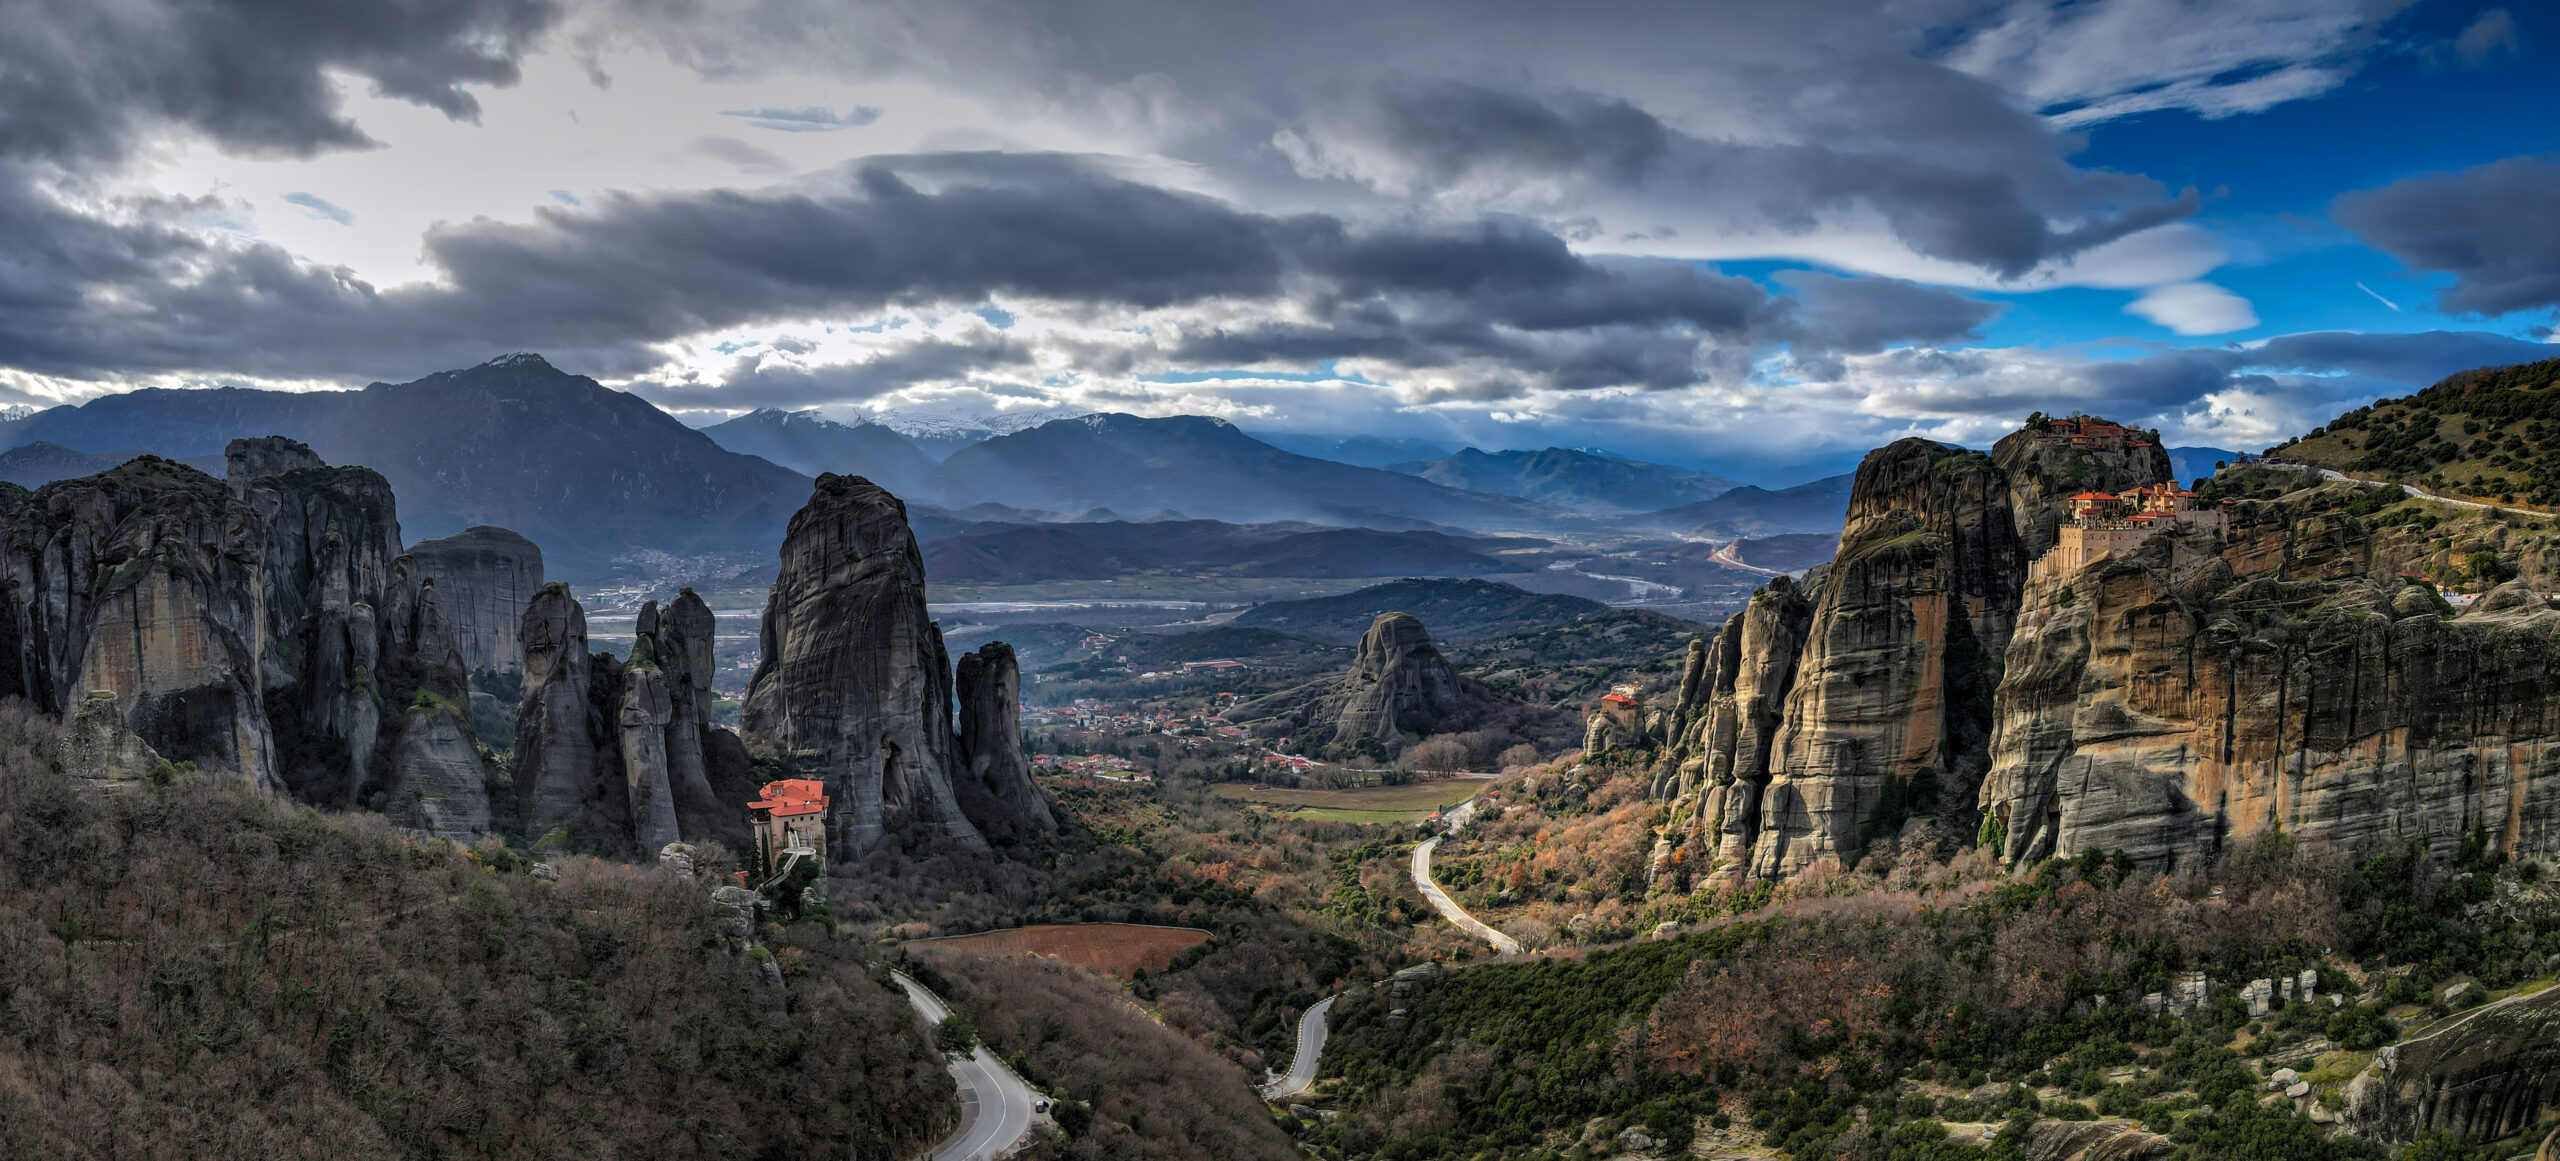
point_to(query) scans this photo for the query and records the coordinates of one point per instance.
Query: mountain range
(1574, 479)
(1748, 510)
(812, 444)
(596, 475)
(1029, 553)
(1204, 468)
(587, 472)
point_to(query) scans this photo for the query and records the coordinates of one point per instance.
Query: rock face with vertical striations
(2154, 710)
(617, 752)
(680, 642)
(855, 687)
(993, 778)
(2162, 700)
(143, 581)
(2489, 1074)
(487, 576)
(555, 749)
(1899, 657)
(266, 626)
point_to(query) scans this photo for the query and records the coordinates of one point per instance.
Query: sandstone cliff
(140, 582)
(854, 687)
(993, 778)
(2163, 711)
(263, 628)
(1895, 677)
(555, 750)
(2161, 703)
(487, 576)
(2480, 1076)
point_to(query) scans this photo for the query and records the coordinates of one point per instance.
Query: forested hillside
(194, 972)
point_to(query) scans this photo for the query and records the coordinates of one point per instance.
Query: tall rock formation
(2161, 701)
(555, 748)
(855, 686)
(1723, 759)
(142, 581)
(992, 776)
(2163, 711)
(268, 628)
(618, 752)
(1400, 684)
(1898, 663)
(487, 576)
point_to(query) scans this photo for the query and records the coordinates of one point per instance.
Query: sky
(1756, 238)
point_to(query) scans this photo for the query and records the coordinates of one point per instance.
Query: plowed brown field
(1119, 949)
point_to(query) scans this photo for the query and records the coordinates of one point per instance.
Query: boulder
(96, 746)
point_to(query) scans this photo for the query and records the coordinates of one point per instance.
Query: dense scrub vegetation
(1131, 1089)
(193, 972)
(2492, 433)
(1853, 1020)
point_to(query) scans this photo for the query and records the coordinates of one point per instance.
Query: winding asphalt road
(1440, 900)
(995, 1106)
(2412, 489)
(1302, 1068)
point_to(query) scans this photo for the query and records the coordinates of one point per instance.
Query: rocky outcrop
(1400, 684)
(993, 778)
(555, 749)
(142, 581)
(96, 746)
(266, 626)
(2105, 1139)
(618, 753)
(643, 723)
(487, 575)
(2159, 702)
(1898, 664)
(854, 687)
(2161, 711)
(679, 642)
(1722, 761)
(2481, 1076)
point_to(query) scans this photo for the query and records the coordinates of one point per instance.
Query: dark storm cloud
(1862, 315)
(1988, 199)
(1453, 129)
(79, 80)
(608, 280)
(2489, 226)
(2419, 358)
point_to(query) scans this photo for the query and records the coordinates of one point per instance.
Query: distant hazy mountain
(588, 473)
(41, 463)
(1821, 506)
(1367, 451)
(2192, 463)
(1572, 478)
(810, 443)
(1022, 554)
(939, 435)
(1453, 610)
(1204, 468)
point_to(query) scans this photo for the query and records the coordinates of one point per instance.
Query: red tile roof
(790, 798)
